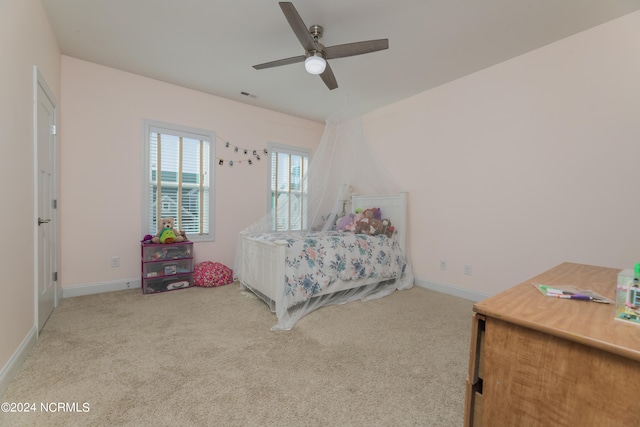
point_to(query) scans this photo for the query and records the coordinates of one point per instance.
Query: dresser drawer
(167, 283)
(167, 268)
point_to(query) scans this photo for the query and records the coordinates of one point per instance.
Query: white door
(46, 222)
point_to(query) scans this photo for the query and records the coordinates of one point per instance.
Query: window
(179, 179)
(288, 189)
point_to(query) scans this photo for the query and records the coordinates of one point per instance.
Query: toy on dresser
(628, 295)
(167, 233)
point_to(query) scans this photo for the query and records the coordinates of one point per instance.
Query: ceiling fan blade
(298, 26)
(357, 48)
(279, 62)
(328, 78)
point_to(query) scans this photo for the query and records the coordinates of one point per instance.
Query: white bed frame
(262, 263)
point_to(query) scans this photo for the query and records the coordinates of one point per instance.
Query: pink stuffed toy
(344, 222)
(352, 227)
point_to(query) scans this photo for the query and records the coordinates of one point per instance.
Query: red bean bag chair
(209, 274)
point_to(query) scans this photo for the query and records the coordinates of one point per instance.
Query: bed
(298, 272)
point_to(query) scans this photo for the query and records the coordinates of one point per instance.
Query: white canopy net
(343, 165)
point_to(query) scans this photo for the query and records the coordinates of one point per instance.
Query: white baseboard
(450, 290)
(10, 370)
(97, 288)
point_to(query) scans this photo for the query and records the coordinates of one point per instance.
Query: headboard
(393, 207)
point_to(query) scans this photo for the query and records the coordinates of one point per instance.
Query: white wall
(101, 166)
(26, 40)
(524, 165)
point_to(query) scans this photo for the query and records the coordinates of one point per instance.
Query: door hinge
(54, 130)
(55, 276)
(54, 204)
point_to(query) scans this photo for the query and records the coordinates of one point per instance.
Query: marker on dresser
(552, 291)
(580, 297)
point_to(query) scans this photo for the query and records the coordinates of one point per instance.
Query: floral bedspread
(314, 260)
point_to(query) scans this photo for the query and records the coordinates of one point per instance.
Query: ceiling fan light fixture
(315, 64)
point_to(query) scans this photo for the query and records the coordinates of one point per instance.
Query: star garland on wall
(251, 155)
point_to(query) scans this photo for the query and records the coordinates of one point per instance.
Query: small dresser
(166, 267)
(542, 361)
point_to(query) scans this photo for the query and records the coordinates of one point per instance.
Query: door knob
(43, 221)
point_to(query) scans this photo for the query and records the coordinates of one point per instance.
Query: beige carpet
(207, 357)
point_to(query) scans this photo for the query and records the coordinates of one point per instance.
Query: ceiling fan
(316, 55)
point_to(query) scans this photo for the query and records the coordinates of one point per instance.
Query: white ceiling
(211, 45)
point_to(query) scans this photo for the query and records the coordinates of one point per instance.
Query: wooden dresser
(542, 361)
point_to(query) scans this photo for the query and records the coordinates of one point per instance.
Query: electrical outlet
(467, 269)
(443, 264)
(115, 261)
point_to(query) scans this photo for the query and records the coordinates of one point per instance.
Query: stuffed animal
(352, 225)
(166, 232)
(345, 222)
(371, 223)
(167, 235)
(368, 224)
(387, 228)
(374, 213)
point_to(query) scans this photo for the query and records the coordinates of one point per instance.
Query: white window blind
(179, 180)
(288, 192)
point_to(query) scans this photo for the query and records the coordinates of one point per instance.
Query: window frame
(274, 147)
(151, 126)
